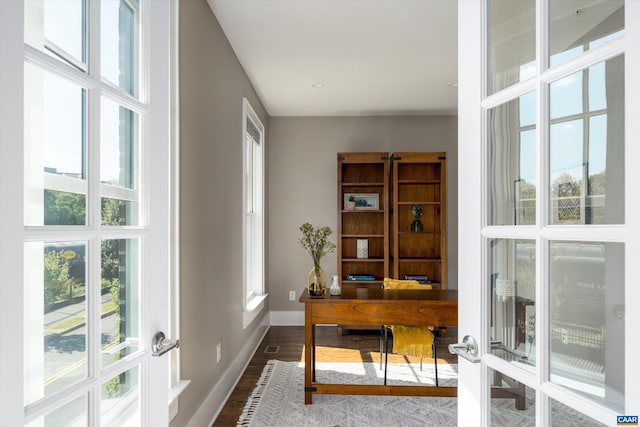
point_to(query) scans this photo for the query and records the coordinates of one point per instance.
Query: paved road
(64, 313)
(65, 357)
(65, 350)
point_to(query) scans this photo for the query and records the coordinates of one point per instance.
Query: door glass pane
(512, 162)
(587, 146)
(59, 28)
(119, 212)
(120, 43)
(512, 402)
(120, 300)
(512, 43)
(55, 310)
(597, 87)
(73, 414)
(120, 402)
(55, 150)
(587, 319)
(118, 143)
(118, 164)
(579, 25)
(562, 416)
(64, 208)
(566, 97)
(512, 300)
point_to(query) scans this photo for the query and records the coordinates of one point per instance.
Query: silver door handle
(468, 349)
(160, 344)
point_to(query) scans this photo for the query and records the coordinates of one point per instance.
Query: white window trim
(253, 302)
(253, 308)
(177, 385)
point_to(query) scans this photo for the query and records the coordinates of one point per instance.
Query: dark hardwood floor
(287, 343)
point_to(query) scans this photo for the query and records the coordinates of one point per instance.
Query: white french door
(84, 161)
(548, 101)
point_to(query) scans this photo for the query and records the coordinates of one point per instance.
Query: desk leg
(313, 353)
(309, 354)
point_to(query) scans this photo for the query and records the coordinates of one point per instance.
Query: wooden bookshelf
(419, 178)
(398, 181)
(363, 174)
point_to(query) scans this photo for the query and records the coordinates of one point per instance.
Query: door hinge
(310, 389)
(442, 158)
(385, 158)
(340, 157)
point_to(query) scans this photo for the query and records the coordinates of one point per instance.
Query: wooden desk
(375, 307)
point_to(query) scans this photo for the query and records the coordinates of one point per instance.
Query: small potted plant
(351, 203)
(416, 210)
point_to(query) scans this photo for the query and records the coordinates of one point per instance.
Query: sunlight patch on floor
(334, 354)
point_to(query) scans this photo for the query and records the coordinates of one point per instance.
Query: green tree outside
(58, 283)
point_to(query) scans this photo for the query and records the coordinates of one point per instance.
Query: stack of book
(360, 277)
(421, 278)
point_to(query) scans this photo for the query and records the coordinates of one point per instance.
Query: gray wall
(303, 187)
(212, 85)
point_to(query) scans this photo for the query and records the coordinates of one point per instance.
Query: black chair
(403, 332)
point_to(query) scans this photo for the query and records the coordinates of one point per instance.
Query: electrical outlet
(292, 295)
(218, 352)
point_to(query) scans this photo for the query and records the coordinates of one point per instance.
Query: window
(253, 149)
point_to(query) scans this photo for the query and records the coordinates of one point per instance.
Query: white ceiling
(374, 57)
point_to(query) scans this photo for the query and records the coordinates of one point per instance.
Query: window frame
(253, 229)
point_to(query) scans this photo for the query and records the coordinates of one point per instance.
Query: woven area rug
(278, 399)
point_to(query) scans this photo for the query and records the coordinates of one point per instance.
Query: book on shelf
(360, 277)
(418, 277)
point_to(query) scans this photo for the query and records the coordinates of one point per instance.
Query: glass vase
(317, 282)
(335, 289)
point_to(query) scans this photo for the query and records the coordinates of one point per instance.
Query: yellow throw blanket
(405, 284)
(412, 340)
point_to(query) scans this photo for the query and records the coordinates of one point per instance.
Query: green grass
(78, 320)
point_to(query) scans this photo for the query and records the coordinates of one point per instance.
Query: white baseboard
(287, 318)
(214, 402)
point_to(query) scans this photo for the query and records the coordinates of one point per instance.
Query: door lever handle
(160, 344)
(468, 349)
